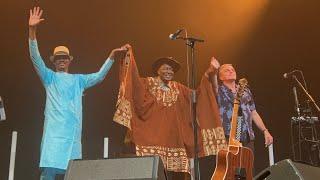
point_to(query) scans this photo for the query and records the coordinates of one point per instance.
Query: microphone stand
(307, 93)
(190, 40)
(308, 108)
(297, 107)
(191, 43)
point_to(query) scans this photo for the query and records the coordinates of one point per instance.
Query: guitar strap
(239, 127)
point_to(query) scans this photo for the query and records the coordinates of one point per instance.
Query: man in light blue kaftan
(61, 139)
(63, 111)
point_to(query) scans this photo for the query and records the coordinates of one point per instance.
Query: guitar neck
(234, 120)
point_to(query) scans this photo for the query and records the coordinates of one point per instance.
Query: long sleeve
(134, 100)
(92, 79)
(208, 115)
(211, 74)
(38, 62)
(143, 100)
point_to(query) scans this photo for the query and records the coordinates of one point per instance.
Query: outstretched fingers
(34, 11)
(40, 14)
(37, 10)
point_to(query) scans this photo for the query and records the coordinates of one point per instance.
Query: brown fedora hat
(166, 60)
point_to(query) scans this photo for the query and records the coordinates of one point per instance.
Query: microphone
(2, 112)
(289, 74)
(175, 35)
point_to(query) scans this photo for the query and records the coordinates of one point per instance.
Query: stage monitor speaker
(142, 168)
(286, 169)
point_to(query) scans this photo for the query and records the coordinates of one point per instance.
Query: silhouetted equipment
(286, 169)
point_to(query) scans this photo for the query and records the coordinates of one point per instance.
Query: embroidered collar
(165, 94)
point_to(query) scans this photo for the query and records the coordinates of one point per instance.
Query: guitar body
(229, 160)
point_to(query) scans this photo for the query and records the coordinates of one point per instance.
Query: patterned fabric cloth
(225, 99)
(61, 140)
(158, 117)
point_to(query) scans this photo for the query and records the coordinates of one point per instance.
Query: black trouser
(178, 175)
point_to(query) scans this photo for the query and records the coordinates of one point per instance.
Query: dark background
(262, 38)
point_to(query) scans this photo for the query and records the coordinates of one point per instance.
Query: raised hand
(122, 49)
(127, 47)
(35, 16)
(215, 63)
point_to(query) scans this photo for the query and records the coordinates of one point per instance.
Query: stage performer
(157, 112)
(225, 92)
(61, 139)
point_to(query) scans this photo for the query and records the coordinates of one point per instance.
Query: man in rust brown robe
(157, 113)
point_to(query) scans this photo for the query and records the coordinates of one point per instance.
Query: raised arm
(90, 80)
(136, 88)
(34, 21)
(212, 72)
(134, 101)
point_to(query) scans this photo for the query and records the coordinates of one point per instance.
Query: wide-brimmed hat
(165, 60)
(61, 51)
